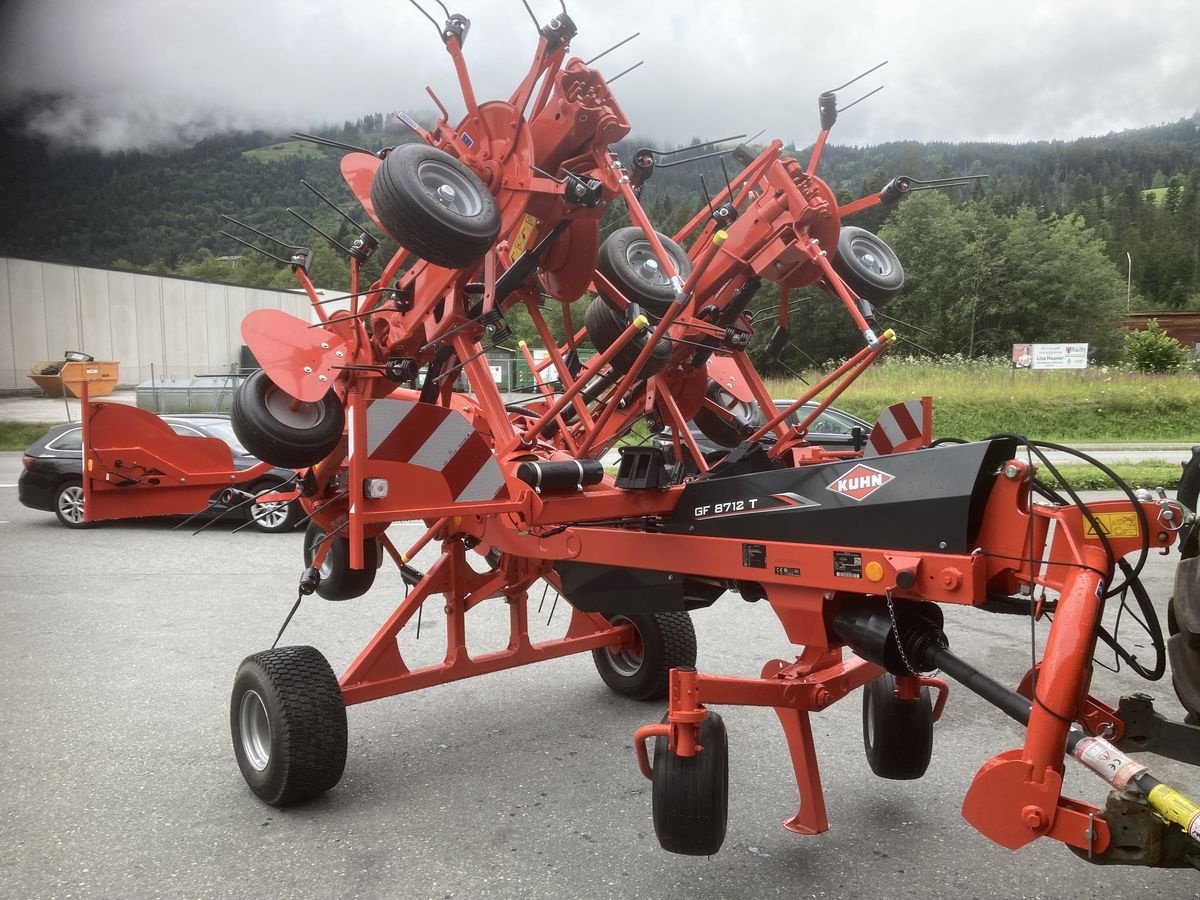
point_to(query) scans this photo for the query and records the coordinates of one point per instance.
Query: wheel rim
(626, 661)
(271, 515)
(867, 253)
(255, 730)
(449, 187)
(643, 262)
(326, 567)
(285, 410)
(70, 504)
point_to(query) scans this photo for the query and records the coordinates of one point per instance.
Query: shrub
(1152, 350)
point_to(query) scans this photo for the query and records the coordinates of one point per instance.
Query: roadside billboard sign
(1049, 356)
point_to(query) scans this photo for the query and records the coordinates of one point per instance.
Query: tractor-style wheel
(435, 206)
(662, 642)
(273, 518)
(281, 430)
(604, 326)
(338, 580)
(68, 504)
(897, 734)
(1183, 629)
(691, 793)
(726, 431)
(628, 261)
(868, 265)
(288, 722)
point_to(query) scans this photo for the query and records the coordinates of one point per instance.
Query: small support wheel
(288, 722)
(338, 580)
(730, 429)
(691, 793)
(68, 504)
(868, 265)
(628, 261)
(897, 734)
(662, 642)
(435, 206)
(278, 429)
(604, 325)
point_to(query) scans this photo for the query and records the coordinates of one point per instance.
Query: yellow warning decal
(518, 245)
(1117, 525)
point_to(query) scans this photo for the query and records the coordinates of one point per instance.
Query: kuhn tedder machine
(854, 550)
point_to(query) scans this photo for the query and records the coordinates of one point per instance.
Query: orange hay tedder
(855, 550)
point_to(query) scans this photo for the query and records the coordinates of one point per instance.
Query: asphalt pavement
(117, 776)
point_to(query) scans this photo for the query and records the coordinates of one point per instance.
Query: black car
(52, 479)
(833, 429)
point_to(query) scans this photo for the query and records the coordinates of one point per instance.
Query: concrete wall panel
(10, 378)
(182, 327)
(96, 328)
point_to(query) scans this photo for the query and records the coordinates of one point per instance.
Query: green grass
(286, 150)
(19, 435)
(1148, 475)
(975, 400)
(1157, 194)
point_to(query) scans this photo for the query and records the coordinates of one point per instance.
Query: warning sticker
(518, 244)
(847, 564)
(1117, 525)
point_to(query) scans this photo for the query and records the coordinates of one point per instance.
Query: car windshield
(828, 422)
(219, 428)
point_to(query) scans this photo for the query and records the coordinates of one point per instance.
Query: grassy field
(1157, 194)
(972, 401)
(286, 150)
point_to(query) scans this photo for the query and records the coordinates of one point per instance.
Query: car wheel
(288, 722)
(868, 265)
(691, 793)
(68, 504)
(338, 580)
(662, 642)
(275, 427)
(627, 260)
(897, 734)
(435, 206)
(274, 518)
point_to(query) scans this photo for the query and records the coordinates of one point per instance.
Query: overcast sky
(140, 72)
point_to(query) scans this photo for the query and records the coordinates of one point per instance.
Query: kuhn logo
(860, 482)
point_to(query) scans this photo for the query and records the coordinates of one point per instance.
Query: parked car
(52, 479)
(834, 429)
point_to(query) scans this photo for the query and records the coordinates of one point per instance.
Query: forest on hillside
(1054, 244)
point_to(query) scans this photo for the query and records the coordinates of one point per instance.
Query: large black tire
(897, 734)
(273, 518)
(68, 504)
(265, 423)
(604, 326)
(868, 265)
(665, 641)
(627, 260)
(338, 580)
(435, 206)
(691, 793)
(288, 722)
(726, 432)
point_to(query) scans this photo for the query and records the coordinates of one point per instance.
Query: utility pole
(1129, 281)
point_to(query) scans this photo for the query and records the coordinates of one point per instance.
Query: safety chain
(896, 633)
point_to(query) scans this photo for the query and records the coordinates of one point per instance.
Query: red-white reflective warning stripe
(899, 428)
(437, 438)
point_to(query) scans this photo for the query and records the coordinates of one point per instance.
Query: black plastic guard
(926, 500)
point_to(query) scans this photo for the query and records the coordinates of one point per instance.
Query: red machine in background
(855, 551)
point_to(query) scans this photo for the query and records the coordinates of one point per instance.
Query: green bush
(1154, 351)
